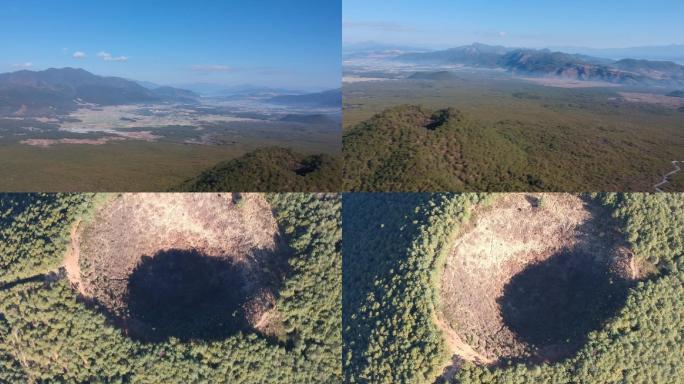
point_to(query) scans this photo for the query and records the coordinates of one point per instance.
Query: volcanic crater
(529, 276)
(187, 266)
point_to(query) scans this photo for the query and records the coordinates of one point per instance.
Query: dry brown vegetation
(45, 143)
(569, 82)
(236, 234)
(519, 258)
(652, 98)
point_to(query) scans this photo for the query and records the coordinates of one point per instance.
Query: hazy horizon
(443, 24)
(270, 43)
(216, 85)
(447, 46)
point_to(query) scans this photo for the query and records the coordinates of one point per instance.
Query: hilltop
(269, 169)
(416, 149)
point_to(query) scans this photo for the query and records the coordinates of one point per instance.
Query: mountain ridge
(60, 90)
(545, 62)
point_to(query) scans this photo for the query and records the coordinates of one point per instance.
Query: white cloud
(24, 65)
(213, 68)
(106, 56)
(79, 55)
(503, 34)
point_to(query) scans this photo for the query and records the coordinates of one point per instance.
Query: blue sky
(280, 43)
(550, 23)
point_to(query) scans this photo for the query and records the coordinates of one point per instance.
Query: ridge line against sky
(532, 24)
(274, 43)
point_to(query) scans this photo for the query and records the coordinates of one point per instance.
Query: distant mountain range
(673, 52)
(479, 55)
(331, 98)
(545, 62)
(238, 91)
(55, 91)
(372, 46)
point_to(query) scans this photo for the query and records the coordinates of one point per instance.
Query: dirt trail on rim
(71, 257)
(456, 345)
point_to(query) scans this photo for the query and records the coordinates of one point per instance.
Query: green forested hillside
(504, 134)
(394, 242)
(269, 169)
(48, 334)
(410, 148)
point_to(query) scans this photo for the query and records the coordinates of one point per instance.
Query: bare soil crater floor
(529, 276)
(189, 266)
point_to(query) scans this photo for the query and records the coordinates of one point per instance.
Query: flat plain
(149, 147)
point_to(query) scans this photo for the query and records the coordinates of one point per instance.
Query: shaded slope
(269, 169)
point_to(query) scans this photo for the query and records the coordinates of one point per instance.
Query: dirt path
(677, 168)
(633, 267)
(460, 350)
(456, 345)
(71, 257)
